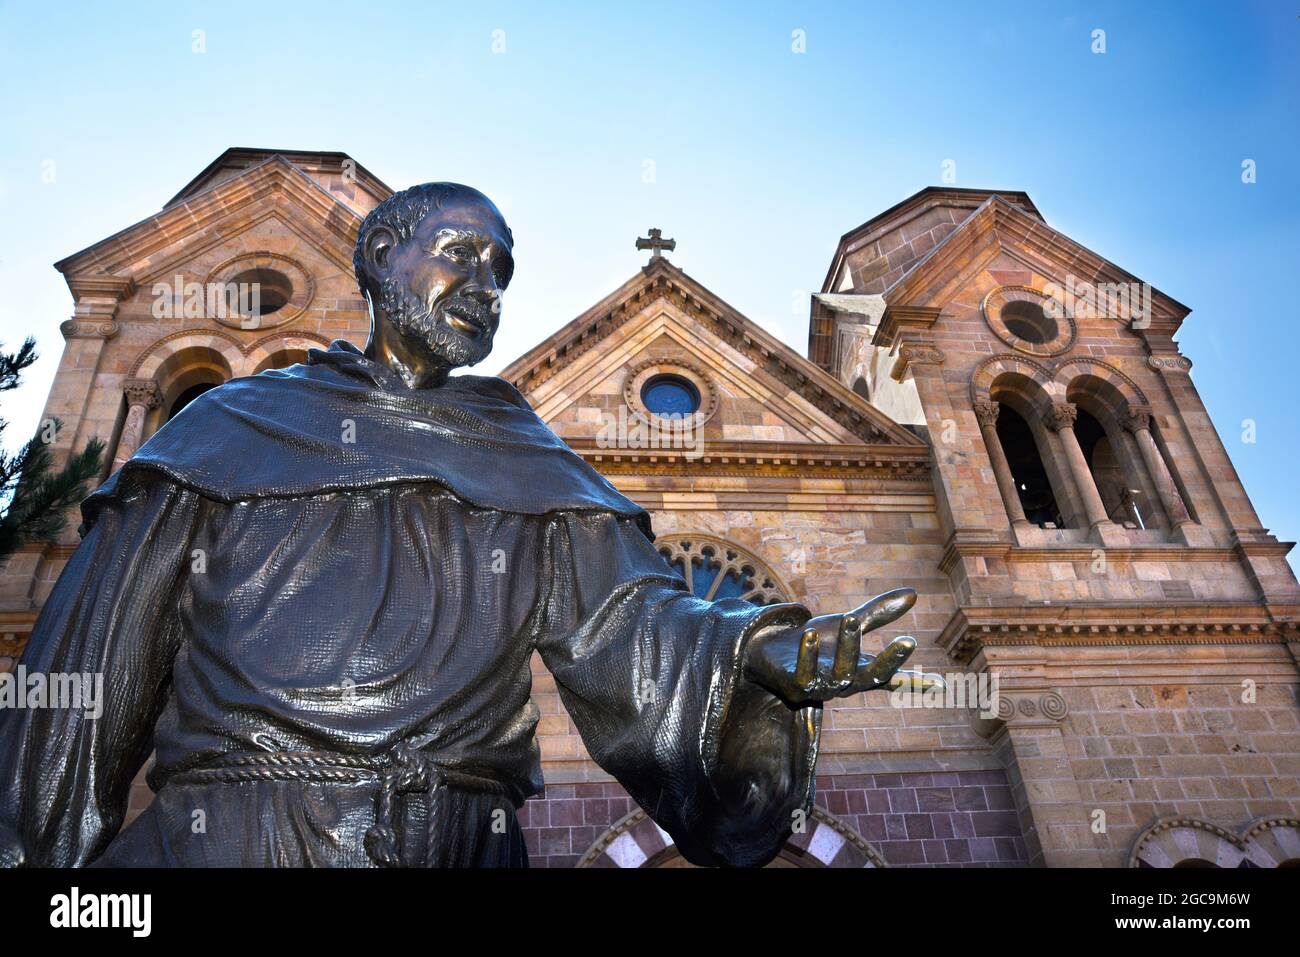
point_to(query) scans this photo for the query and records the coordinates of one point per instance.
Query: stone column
(1139, 423)
(1061, 421)
(986, 412)
(141, 396)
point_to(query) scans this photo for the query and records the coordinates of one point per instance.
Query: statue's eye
(459, 251)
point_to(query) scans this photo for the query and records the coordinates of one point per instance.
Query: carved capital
(1026, 708)
(1061, 416)
(142, 392)
(1139, 418)
(986, 411)
(89, 329)
(1170, 363)
(916, 354)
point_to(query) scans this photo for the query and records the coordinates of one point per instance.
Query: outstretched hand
(823, 659)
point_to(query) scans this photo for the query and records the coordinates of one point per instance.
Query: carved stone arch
(183, 364)
(1174, 841)
(718, 559)
(1113, 393)
(149, 361)
(1273, 842)
(1023, 384)
(637, 841)
(1003, 366)
(265, 352)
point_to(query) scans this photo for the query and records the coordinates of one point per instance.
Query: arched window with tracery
(715, 569)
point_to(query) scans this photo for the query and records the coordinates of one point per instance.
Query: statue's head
(433, 261)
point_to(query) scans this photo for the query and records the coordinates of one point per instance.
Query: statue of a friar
(315, 594)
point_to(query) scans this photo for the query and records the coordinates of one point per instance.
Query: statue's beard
(429, 329)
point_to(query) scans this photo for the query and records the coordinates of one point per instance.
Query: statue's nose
(489, 299)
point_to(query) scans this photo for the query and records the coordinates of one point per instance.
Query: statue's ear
(379, 243)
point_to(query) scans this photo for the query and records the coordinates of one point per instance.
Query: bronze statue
(315, 593)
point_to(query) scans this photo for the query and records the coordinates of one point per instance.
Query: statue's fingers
(805, 669)
(847, 645)
(883, 666)
(917, 681)
(885, 608)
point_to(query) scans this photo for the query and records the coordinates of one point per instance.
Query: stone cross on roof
(656, 242)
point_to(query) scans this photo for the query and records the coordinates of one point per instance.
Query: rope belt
(402, 770)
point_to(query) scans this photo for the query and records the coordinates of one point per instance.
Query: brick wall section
(567, 819)
(956, 819)
(949, 819)
(1140, 753)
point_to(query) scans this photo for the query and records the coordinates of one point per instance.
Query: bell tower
(1104, 559)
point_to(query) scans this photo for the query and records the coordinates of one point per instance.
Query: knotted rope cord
(403, 770)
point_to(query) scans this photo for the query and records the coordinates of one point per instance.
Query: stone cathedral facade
(988, 412)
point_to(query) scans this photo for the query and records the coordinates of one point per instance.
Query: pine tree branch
(40, 501)
(13, 364)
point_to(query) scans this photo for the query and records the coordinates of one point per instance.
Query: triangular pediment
(274, 190)
(1001, 237)
(765, 391)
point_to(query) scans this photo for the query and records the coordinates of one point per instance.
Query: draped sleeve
(652, 677)
(65, 771)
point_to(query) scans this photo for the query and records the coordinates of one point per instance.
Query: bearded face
(436, 292)
(457, 330)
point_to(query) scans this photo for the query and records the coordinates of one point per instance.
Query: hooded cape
(343, 422)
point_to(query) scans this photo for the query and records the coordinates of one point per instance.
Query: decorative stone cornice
(115, 288)
(896, 318)
(760, 459)
(1103, 624)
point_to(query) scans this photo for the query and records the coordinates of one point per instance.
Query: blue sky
(762, 157)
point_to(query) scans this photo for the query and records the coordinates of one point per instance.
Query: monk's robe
(314, 595)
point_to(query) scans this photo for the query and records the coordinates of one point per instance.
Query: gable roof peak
(238, 159)
(660, 279)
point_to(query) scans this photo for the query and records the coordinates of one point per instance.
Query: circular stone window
(259, 291)
(674, 394)
(1028, 321)
(670, 395)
